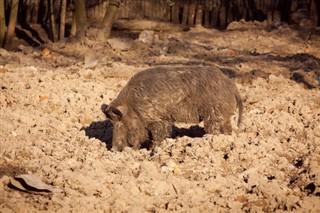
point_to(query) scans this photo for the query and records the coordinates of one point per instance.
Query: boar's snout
(119, 140)
(128, 129)
(119, 137)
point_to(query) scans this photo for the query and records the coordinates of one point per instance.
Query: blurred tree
(199, 13)
(80, 16)
(110, 16)
(62, 19)
(52, 14)
(30, 10)
(73, 29)
(191, 15)
(2, 23)
(52, 22)
(315, 9)
(12, 22)
(176, 11)
(185, 14)
(43, 13)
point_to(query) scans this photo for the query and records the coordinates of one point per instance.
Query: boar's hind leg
(159, 131)
(226, 127)
(217, 124)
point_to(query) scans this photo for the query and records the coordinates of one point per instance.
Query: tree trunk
(229, 14)
(314, 11)
(31, 8)
(175, 12)
(192, 11)
(294, 6)
(27, 8)
(158, 12)
(80, 16)
(318, 11)
(185, 14)
(285, 6)
(35, 12)
(62, 19)
(199, 14)
(207, 15)
(109, 17)
(73, 30)
(223, 17)
(276, 16)
(214, 16)
(43, 12)
(2, 23)
(12, 22)
(52, 22)
(166, 11)
(270, 17)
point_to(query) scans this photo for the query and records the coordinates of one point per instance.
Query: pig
(154, 99)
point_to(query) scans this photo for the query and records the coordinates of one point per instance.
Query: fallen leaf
(177, 171)
(18, 185)
(42, 98)
(260, 203)
(45, 52)
(2, 70)
(242, 198)
(32, 183)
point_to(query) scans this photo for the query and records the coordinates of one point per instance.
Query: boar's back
(164, 92)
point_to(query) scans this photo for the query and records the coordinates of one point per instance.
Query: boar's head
(128, 129)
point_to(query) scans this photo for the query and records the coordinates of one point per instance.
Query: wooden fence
(208, 13)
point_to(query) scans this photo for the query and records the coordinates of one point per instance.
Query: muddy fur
(147, 107)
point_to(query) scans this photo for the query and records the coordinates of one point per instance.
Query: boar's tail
(240, 108)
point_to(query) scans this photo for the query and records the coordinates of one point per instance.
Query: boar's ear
(113, 113)
(104, 108)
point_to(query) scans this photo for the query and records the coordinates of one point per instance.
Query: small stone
(120, 44)
(147, 36)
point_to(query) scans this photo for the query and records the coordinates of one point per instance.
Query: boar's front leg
(159, 131)
(123, 137)
(135, 138)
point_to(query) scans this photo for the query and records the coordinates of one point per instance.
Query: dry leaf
(2, 70)
(45, 52)
(177, 171)
(42, 98)
(242, 198)
(32, 183)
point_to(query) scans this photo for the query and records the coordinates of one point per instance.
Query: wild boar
(154, 99)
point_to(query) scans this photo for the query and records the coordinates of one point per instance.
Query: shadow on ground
(101, 130)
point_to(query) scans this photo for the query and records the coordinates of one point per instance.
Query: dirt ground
(52, 125)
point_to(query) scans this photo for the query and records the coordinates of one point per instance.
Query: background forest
(65, 18)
